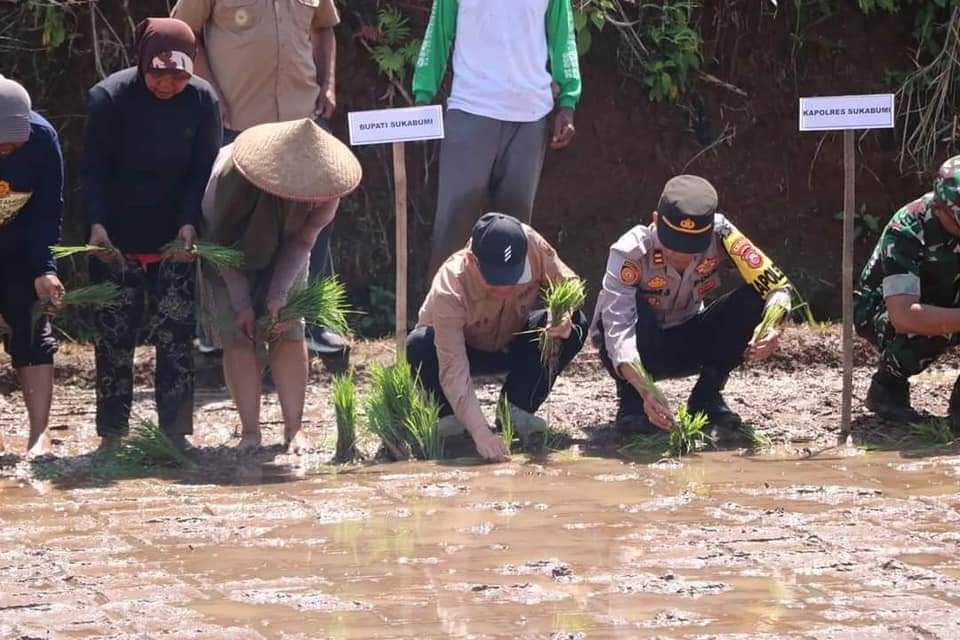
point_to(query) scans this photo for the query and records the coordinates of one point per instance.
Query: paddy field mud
(800, 540)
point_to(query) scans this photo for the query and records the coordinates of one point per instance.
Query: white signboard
(834, 113)
(384, 126)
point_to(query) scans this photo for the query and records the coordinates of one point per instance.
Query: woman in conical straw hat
(271, 193)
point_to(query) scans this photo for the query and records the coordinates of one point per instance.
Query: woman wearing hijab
(152, 135)
(271, 193)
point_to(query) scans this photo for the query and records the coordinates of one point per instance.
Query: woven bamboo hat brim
(297, 161)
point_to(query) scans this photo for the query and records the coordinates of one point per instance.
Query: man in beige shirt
(271, 61)
(479, 318)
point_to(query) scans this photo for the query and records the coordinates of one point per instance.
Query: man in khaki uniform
(270, 61)
(481, 318)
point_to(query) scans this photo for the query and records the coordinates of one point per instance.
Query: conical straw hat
(296, 160)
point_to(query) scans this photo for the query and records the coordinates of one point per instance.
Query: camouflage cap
(946, 188)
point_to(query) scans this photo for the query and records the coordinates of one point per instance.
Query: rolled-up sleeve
(901, 252)
(194, 12)
(619, 310)
(455, 380)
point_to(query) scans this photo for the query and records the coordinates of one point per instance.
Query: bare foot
(40, 448)
(249, 442)
(298, 445)
(2, 448)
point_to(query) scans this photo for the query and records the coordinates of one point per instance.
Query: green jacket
(437, 42)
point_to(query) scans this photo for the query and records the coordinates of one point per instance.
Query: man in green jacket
(497, 127)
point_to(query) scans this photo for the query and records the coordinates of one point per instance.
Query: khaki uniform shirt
(261, 54)
(461, 314)
(637, 268)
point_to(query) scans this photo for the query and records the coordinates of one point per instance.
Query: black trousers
(528, 382)
(30, 341)
(157, 306)
(716, 338)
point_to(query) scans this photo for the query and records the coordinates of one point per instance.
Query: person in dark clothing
(153, 132)
(31, 212)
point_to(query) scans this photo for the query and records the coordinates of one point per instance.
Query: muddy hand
(660, 415)
(49, 289)
(490, 446)
(762, 349)
(100, 238)
(562, 330)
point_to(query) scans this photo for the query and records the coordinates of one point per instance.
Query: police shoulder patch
(629, 273)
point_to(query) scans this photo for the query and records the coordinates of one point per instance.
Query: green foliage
(401, 414)
(396, 50)
(587, 15)
(104, 294)
(687, 435)
(773, 315)
(758, 439)
(380, 317)
(673, 50)
(648, 383)
(65, 251)
(345, 406)
(865, 224)
(50, 18)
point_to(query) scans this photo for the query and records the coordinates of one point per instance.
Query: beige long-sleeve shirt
(462, 312)
(261, 54)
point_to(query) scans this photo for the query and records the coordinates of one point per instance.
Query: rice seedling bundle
(146, 448)
(647, 382)
(102, 295)
(345, 407)
(216, 255)
(321, 301)
(935, 432)
(773, 315)
(562, 299)
(401, 414)
(65, 251)
(687, 434)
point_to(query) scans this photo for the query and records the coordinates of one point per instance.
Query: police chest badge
(629, 273)
(656, 283)
(707, 266)
(11, 202)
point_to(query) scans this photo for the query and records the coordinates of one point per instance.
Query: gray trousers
(485, 165)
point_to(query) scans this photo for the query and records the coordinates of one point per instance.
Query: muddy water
(830, 547)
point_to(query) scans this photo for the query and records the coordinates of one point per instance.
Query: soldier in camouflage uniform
(908, 300)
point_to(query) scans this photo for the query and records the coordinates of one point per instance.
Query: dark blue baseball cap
(500, 246)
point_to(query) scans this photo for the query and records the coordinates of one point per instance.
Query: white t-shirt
(500, 60)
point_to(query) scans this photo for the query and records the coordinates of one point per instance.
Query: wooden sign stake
(400, 204)
(849, 212)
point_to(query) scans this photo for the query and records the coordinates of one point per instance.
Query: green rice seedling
(648, 383)
(401, 414)
(758, 439)
(388, 404)
(345, 405)
(507, 431)
(934, 433)
(555, 439)
(64, 251)
(146, 448)
(687, 435)
(654, 444)
(321, 301)
(562, 298)
(422, 425)
(216, 255)
(102, 295)
(773, 315)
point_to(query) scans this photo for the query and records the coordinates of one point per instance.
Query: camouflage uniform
(914, 256)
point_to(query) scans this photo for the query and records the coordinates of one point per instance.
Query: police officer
(908, 301)
(651, 309)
